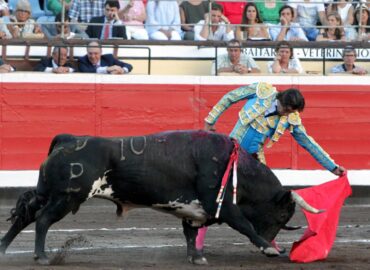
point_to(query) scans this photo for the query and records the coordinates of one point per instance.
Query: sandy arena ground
(146, 239)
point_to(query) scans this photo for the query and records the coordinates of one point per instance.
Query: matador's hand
(209, 127)
(339, 171)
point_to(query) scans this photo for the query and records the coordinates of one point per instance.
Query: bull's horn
(291, 228)
(302, 203)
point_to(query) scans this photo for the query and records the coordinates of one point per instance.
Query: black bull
(176, 172)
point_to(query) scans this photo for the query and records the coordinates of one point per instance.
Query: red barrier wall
(338, 117)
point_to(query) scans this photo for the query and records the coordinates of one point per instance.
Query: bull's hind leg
(21, 216)
(194, 256)
(14, 230)
(55, 210)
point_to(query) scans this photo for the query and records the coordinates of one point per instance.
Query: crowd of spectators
(236, 62)
(93, 62)
(178, 20)
(285, 61)
(276, 20)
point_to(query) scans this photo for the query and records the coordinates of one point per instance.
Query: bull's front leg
(194, 256)
(236, 220)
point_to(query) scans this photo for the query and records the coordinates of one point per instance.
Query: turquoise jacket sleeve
(308, 143)
(227, 100)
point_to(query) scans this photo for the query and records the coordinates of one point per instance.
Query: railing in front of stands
(23, 51)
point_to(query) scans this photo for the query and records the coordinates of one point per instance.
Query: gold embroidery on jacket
(260, 124)
(261, 155)
(265, 90)
(257, 109)
(242, 130)
(214, 113)
(294, 119)
(279, 131)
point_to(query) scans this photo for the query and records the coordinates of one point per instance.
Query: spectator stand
(24, 55)
(182, 57)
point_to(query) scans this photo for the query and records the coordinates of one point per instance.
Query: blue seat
(36, 9)
(12, 4)
(47, 11)
(49, 30)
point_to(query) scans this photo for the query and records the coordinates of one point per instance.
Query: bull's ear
(283, 196)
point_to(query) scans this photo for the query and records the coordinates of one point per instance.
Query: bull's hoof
(277, 247)
(198, 260)
(42, 260)
(282, 250)
(271, 252)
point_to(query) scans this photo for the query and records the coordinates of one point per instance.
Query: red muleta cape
(318, 239)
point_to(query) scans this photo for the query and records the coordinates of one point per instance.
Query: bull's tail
(31, 202)
(26, 207)
(21, 216)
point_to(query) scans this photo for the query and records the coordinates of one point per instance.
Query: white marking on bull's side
(192, 210)
(77, 165)
(122, 156)
(137, 152)
(74, 190)
(96, 189)
(80, 144)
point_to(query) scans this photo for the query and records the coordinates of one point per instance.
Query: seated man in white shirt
(220, 29)
(235, 61)
(287, 29)
(57, 63)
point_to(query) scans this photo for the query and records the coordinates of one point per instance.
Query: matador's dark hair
(293, 98)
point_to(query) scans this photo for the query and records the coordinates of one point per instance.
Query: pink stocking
(199, 242)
